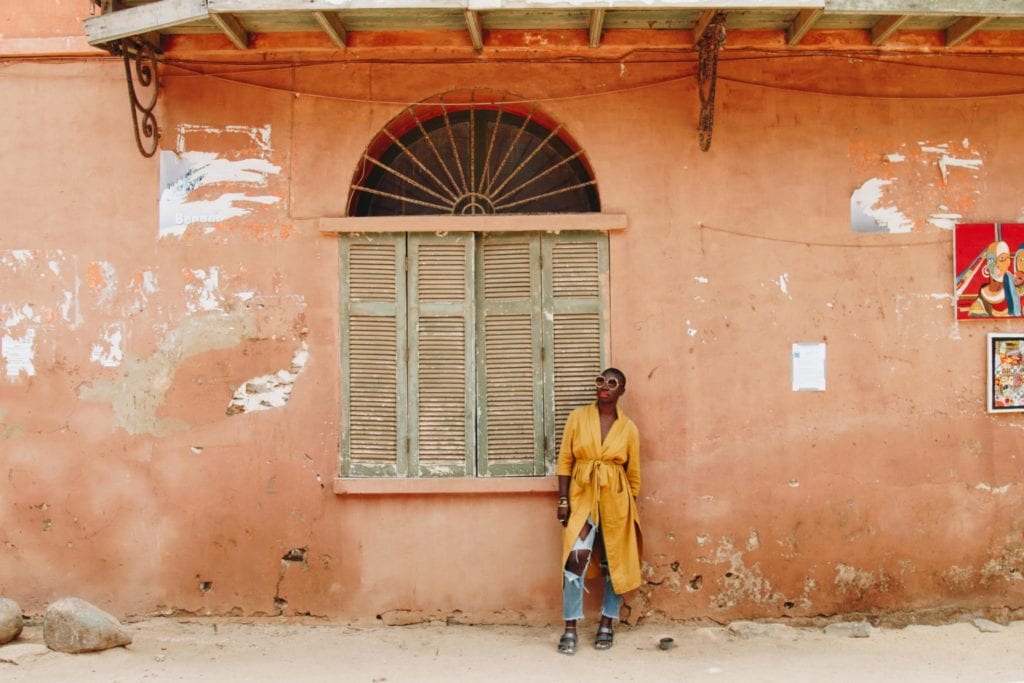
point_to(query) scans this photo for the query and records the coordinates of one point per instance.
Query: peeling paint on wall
(139, 390)
(869, 214)
(923, 183)
(203, 188)
(140, 287)
(740, 583)
(854, 582)
(46, 285)
(201, 290)
(945, 221)
(784, 284)
(102, 279)
(18, 354)
(108, 352)
(269, 391)
(998, 490)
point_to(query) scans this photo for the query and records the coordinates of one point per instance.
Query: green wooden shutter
(442, 420)
(373, 353)
(575, 303)
(510, 415)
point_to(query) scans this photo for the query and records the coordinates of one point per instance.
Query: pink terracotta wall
(130, 482)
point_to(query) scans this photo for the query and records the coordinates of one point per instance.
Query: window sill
(427, 486)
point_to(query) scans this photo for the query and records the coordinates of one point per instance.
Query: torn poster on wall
(988, 267)
(203, 187)
(910, 185)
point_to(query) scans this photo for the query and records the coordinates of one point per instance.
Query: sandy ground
(275, 650)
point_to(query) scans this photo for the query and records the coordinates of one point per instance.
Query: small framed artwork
(1005, 372)
(988, 270)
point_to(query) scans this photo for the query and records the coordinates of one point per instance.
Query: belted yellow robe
(604, 485)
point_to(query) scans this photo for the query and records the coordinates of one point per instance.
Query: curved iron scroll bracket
(710, 43)
(140, 68)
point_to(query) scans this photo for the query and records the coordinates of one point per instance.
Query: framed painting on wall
(1005, 372)
(988, 270)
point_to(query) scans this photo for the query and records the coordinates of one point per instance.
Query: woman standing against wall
(598, 482)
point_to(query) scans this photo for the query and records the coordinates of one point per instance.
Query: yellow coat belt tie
(600, 474)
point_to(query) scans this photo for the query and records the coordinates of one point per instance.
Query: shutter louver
(507, 345)
(510, 403)
(373, 350)
(575, 270)
(373, 407)
(441, 327)
(575, 287)
(577, 361)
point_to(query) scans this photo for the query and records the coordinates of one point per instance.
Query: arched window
(463, 351)
(472, 152)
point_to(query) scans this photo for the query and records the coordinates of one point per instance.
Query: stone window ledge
(372, 486)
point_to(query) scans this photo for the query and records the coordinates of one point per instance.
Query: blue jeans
(573, 588)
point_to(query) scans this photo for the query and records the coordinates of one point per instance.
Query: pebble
(986, 626)
(849, 629)
(752, 629)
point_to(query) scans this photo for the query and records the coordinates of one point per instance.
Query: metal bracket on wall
(140, 68)
(708, 46)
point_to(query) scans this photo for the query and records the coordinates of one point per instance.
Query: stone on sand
(73, 625)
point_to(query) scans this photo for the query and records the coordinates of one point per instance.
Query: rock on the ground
(849, 629)
(986, 626)
(751, 629)
(21, 653)
(11, 621)
(73, 625)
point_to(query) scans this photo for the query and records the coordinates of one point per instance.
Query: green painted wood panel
(442, 362)
(575, 335)
(510, 413)
(373, 356)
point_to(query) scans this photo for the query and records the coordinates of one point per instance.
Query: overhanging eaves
(238, 20)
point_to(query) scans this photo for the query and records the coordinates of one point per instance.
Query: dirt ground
(208, 649)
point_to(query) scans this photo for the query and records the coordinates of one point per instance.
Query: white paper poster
(809, 367)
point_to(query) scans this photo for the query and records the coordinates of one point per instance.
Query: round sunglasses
(610, 383)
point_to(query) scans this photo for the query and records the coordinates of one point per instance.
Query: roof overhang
(875, 21)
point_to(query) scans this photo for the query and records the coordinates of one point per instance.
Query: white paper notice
(809, 367)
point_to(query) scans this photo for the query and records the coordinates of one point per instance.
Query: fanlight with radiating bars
(471, 152)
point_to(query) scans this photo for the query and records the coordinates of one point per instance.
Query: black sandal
(605, 638)
(567, 643)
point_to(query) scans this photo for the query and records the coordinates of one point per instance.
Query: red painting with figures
(988, 270)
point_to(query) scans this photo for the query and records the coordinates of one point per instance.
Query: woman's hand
(563, 511)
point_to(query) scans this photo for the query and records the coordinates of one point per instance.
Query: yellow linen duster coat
(604, 486)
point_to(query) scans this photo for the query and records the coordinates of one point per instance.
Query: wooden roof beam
(333, 27)
(596, 26)
(801, 25)
(476, 32)
(233, 29)
(886, 26)
(963, 28)
(133, 21)
(702, 24)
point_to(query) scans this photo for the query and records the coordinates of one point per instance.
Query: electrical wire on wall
(194, 68)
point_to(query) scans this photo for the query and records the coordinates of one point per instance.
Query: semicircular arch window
(473, 153)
